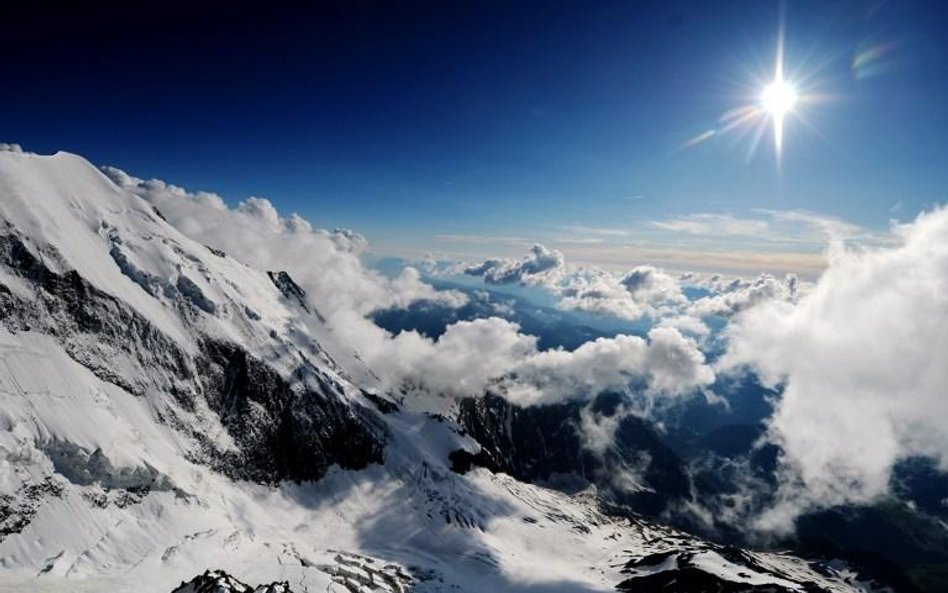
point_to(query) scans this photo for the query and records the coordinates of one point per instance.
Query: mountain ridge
(168, 410)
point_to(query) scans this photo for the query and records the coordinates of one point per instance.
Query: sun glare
(773, 98)
(778, 98)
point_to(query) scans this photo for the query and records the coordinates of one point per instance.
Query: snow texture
(168, 422)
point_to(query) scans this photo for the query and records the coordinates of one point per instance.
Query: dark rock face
(541, 443)
(289, 288)
(885, 542)
(676, 571)
(218, 581)
(692, 580)
(284, 432)
(292, 291)
(286, 428)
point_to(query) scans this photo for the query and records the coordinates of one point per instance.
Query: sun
(770, 100)
(778, 98)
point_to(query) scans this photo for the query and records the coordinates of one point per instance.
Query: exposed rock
(18, 509)
(544, 443)
(291, 290)
(284, 432)
(218, 581)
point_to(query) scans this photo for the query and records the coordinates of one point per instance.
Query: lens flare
(772, 98)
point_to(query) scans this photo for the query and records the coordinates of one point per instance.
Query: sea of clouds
(858, 355)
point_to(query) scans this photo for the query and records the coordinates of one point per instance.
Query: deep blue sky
(410, 120)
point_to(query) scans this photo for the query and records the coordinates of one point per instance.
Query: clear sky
(476, 128)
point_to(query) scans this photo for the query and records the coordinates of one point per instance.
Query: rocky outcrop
(218, 581)
(546, 444)
(284, 431)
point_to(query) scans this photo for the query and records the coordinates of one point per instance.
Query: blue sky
(477, 128)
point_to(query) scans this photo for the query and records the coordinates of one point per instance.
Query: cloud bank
(643, 291)
(470, 357)
(858, 355)
(474, 356)
(861, 358)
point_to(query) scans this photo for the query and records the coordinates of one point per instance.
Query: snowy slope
(165, 410)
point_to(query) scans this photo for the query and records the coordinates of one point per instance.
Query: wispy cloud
(581, 240)
(698, 258)
(592, 230)
(774, 226)
(482, 239)
(715, 224)
(829, 226)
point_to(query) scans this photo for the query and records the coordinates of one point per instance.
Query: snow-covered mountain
(173, 419)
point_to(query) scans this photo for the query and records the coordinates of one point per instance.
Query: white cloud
(715, 224)
(770, 226)
(668, 363)
(581, 240)
(589, 230)
(859, 355)
(644, 291)
(861, 358)
(598, 430)
(729, 297)
(263, 210)
(539, 266)
(830, 227)
(10, 147)
(472, 356)
(482, 239)
(686, 324)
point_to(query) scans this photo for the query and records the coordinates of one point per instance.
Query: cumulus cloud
(858, 355)
(687, 324)
(860, 359)
(474, 356)
(649, 284)
(10, 147)
(643, 291)
(729, 297)
(539, 266)
(666, 364)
